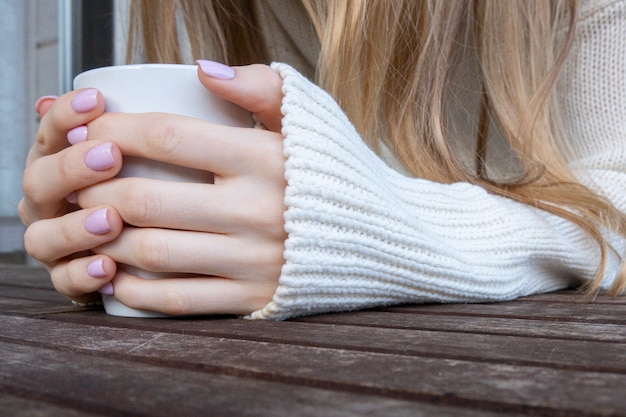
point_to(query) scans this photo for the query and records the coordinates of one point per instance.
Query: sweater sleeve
(360, 234)
(594, 91)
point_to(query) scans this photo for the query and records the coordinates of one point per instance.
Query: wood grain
(547, 355)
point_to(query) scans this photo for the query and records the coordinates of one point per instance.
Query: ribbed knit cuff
(360, 234)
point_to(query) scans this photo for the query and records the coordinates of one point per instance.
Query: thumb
(256, 88)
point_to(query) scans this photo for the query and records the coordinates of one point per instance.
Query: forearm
(362, 235)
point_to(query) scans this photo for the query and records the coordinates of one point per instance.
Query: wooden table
(547, 355)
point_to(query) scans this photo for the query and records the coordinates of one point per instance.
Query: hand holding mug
(228, 234)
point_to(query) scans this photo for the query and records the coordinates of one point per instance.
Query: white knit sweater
(361, 234)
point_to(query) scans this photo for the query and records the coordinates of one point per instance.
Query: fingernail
(85, 100)
(40, 101)
(71, 198)
(78, 134)
(216, 70)
(97, 222)
(95, 268)
(106, 289)
(100, 157)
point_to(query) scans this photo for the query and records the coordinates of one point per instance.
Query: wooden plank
(574, 297)
(15, 406)
(31, 293)
(28, 291)
(554, 329)
(25, 276)
(37, 277)
(566, 354)
(514, 388)
(127, 388)
(34, 276)
(587, 313)
(30, 308)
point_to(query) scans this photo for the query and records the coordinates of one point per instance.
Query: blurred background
(43, 45)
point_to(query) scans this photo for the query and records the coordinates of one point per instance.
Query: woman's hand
(231, 233)
(57, 234)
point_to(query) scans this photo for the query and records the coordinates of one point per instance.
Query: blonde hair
(392, 65)
(221, 30)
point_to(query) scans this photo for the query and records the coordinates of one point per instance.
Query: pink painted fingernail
(106, 289)
(40, 101)
(216, 70)
(71, 198)
(76, 135)
(96, 269)
(85, 100)
(100, 158)
(97, 222)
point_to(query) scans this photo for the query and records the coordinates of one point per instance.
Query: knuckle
(272, 223)
(30, 185)
(166, 135)
(99, 127)
(69, 281)
(270, 258)
(142, 205)
(257, 299)
(277, 167)
(30, 244)
(152, 252)
(177, 302)
(239, 214)
(51, 133)
(41, 143)
(67, 235)
(268, 156)
(59, 280)
(66, 168)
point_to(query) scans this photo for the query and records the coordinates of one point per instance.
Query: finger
(64, 113)
(192, 296)
(49, 179)
(256, 88)
(175, 251)
(79, 279)
(145, 202)
(52, 239)
(44, 104)
(189, 142)
(223, 208)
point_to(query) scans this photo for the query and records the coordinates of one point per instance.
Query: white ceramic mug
(166, 88)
